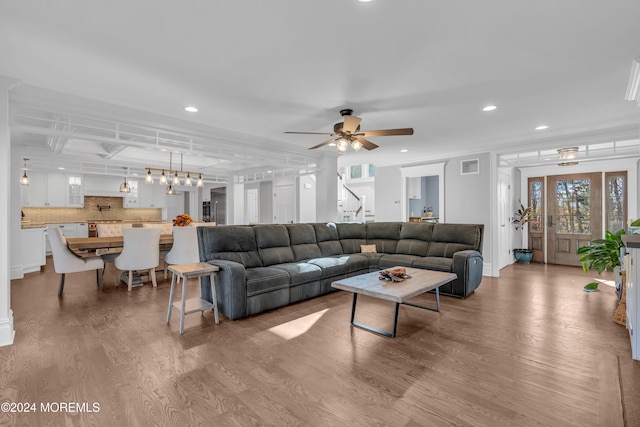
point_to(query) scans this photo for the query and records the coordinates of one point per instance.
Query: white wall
(307, 198)
(9, 214)
(388, 194)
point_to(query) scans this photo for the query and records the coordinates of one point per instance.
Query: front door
(574, 215)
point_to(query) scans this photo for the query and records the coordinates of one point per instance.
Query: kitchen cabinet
(206, 193)
(32, 249)
(414, 187)
(151, 196)
(632, 268)
(53, 190)
(131, 199)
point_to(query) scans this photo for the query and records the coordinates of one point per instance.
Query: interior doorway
(284, 203)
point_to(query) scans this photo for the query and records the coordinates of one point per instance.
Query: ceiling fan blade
(366, 144)
(351, 123)
(311, 133)
(387, 132)
(323, 144)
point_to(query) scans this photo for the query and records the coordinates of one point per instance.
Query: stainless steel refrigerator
(219, 205)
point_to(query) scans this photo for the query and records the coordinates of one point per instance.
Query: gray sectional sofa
(263, 267)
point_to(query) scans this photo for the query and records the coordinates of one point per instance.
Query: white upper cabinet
(151, 196)
(53, 190)
(130, 199)
(75, 191)
(414, 187)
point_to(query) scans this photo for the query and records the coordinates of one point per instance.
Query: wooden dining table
(84, 247)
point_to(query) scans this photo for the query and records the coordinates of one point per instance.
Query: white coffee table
(369, 284)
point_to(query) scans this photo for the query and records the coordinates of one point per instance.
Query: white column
(7, 220)
(327, 190)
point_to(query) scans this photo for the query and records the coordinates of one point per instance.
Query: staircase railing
(350, 205)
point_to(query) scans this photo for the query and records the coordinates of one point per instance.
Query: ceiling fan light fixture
(356, 145)
(342, 145)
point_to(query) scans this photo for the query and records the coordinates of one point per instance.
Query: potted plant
(603, 254)
(523, 216)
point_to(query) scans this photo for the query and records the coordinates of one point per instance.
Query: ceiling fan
(348, 132)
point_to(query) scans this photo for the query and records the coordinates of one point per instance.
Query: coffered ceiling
(103, 85)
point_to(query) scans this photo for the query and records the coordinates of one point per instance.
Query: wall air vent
(470, 167)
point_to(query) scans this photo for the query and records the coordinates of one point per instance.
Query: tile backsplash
(90, 212)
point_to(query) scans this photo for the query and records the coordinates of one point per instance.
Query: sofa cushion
(356, 263)
(415, 238)
(303, 241)
(274, 246)
(230, 242)
(301, 272)
(327, 238)
(434, 263)
(450, 238)
(352, 236)
(384, 235)
(331, 266)
(393, 260)
(265, 279)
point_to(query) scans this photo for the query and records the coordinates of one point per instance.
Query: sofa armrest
(231, 289)
(468, 267)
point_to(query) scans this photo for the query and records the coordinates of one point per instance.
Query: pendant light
(24, 180)
(125, 187)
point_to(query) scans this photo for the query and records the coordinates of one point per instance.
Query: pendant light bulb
(24, 180)
(176, 179)
(163, 178)
(187, 181)
(200, 182)
(149, 178)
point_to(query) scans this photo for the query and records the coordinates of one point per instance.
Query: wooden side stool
(186, 272)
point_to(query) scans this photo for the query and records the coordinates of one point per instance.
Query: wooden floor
(528, 348)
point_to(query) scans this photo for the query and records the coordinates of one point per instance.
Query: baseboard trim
(16, 272)
(7, 333)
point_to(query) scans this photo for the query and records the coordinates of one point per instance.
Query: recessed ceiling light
(542, 127)
(191, 109)
(364, 1)
(489, 108)
(404, 150)
(61, 168)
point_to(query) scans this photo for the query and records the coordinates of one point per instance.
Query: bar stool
(193, 305)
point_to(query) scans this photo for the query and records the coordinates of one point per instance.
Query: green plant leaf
(591, 287)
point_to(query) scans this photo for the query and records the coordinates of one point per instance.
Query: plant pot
(523, 256)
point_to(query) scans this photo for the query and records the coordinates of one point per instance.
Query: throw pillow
(368, 249)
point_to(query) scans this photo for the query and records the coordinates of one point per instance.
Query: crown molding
(633, 88)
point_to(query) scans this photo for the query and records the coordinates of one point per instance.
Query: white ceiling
(257, 68)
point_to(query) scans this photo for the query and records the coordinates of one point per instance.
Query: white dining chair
(166, 228)
(185, 246)
(64, 261)
(140, 251)
(110, 230)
